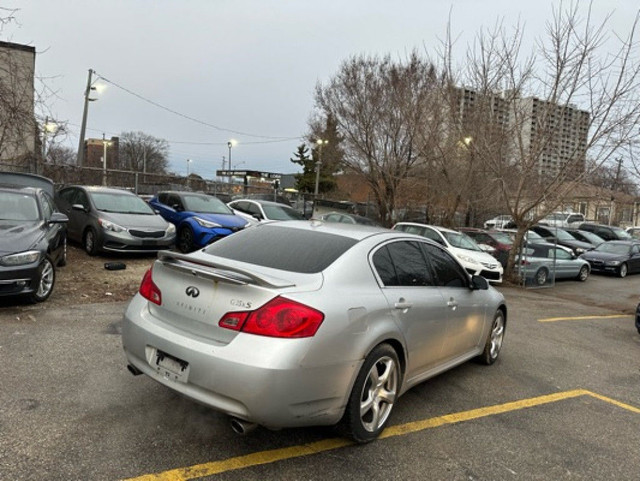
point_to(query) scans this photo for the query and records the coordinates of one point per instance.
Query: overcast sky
(248, 67)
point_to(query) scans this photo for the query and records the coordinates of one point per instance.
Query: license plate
(171, 367)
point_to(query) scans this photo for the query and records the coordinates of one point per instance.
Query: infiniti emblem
(192, 291)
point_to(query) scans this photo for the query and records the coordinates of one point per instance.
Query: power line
(193, 119)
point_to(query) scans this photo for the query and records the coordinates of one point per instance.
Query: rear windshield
(278, 247)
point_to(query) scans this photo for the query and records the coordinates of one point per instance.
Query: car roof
(100, 189)
(354, 231)
(17, 188)
(435, 227)
(261, 202)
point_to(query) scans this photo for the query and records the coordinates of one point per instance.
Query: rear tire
(373, 396)
(541, 276)
(63, 257)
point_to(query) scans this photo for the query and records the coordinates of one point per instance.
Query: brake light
(279, 317)
(149, 290)
(525, 262)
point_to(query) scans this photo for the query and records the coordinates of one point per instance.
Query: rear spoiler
(219, 271)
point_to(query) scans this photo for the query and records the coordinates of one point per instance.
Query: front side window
(448, 272)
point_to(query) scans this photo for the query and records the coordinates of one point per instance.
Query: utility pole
(83, 127)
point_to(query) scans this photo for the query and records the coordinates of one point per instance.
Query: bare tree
(378, 106)
(571, 80)
(143, 153)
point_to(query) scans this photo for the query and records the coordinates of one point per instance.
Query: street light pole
(230, 144)
(320, 143)
(188, 164)
(105, 144)
(83, 127)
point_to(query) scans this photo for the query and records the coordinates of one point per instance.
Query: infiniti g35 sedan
(309, 323)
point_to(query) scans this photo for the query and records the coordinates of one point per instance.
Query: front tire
(46, 281)
(185, 240)
(90, 242)
(493, 346)
(623, 270)
(583, 275)
(373, 396)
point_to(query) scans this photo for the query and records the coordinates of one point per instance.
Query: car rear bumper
(259, 379)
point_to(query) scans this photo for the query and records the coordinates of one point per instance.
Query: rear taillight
(525, 262)
(279, 317)
(149, 290)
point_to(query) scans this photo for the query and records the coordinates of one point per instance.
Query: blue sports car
(200, 219)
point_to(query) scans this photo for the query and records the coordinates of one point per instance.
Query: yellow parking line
(584, 318)
(266, 457)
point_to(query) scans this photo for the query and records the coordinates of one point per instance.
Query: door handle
(402, 304)
(452, 303)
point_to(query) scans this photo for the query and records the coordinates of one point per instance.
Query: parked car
(470, 255)
(607, 232)
(303, 323)
(114, 220)
(633, 232)
(556, 235)
(585, 236)
(543, 262)
(615, 257)
(345, 218)
(563, 219)
(502, 221)
(32, 237)
(500, 241)
(263, 210)
(200, 219)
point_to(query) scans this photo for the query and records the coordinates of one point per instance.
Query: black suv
(607, 232)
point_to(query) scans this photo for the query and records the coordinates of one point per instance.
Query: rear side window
(277, 247)
(402, 264)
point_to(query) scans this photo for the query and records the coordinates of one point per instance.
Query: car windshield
(463, 241)
(562, 234)
(533, 236)
(591, 237)
(120, 203)
(205, 204)
(621, 233)
(17, 206)
(502, 237)
(613, 248)
(277, 247)
(281, 212)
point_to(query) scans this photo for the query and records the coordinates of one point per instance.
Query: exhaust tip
(134, 370)
(242, 427)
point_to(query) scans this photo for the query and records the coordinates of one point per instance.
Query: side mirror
(58, 218)
(257, 215)
(479, 283)
(79, 207)
(176, 207)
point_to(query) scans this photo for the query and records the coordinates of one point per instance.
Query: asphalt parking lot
(563, 402)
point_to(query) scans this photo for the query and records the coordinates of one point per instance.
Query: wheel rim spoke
(379, 394)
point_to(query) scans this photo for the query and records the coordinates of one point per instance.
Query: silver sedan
(309, 323)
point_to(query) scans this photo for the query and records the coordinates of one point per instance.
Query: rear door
(415, 301)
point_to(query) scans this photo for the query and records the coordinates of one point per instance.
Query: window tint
(47, 206)
(411, 268)
(384, 267)
(82, 199)
(284, 248)
(162, 197)
(67, 195)
(448, 272)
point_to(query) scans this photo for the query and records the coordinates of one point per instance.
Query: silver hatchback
(309, 323)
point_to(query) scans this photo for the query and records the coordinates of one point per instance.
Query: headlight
(171, 229)
(107, 225)
(613, 263)
(465, 258)
(21, 258)
(206, 223)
